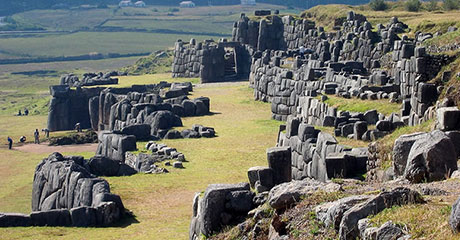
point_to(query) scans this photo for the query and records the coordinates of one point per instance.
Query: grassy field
(161, 203)
(90, 42)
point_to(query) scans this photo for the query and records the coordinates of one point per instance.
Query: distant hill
(10, 7)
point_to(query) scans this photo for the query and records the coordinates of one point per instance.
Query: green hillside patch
(157, 62)
(423, 221)
(357, 105)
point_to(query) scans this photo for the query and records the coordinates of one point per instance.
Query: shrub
(432, 6)
(413, 5)
(450, 4)
(174, 10)
(378, 5)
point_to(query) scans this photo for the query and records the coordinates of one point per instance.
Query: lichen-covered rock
(398, 196)
(287, 194)
(331, 213)
(431, 158)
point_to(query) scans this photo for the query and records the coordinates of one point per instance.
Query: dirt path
(44, 148)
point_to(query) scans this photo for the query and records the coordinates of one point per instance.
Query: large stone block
(448, 118)
(279, 160)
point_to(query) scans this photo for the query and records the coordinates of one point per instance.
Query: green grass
(67, 20)
(424, 221)
(356, 105)
(161, 203)
(205, 25)
(81, 43)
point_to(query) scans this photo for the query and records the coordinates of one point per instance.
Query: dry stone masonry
(211, 61)
(66, 194)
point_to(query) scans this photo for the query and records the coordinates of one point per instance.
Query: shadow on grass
(213, 113)
(128, 219)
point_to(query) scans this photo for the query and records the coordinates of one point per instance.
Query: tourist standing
(10, 143)
(47, 132)
(302, 52)
(78, 127)
(37, 137)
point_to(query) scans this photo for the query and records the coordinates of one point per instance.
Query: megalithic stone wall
(412, 70)
(206, 60)
(68, 107)
(273, 32)
(203, 60)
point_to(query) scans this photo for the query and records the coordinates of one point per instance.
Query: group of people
(26, 112)
(37, 135)
(23, 138)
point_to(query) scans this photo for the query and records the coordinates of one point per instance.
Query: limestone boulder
(431, 158)
(287, 194)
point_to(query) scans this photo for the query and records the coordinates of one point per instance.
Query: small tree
(432, 5)
(378, 5)
(450, 4)
(413, 5)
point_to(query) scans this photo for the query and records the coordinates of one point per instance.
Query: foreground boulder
(388, 230)
(399, 196)
(454, 219)
(431, 158)
(66, 194)
(401, 151)
(221, 204)
(287, 194)
(331, 213)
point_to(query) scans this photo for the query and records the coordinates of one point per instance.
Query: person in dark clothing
(10, 143)
(26, 112)
(37, 137)
(78, 127)
(47, 132)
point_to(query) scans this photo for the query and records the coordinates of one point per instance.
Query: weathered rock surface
(65, 193)
(287, 194)
(432, 158)
(114, 146)
(221, 204)
(454, 218)
(331, 213)
(398, 196)
(401, 150)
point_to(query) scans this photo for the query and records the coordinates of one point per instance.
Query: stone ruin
(90, 79)
(210, 61)
(354, 61)
(65, 193)
(124, 109)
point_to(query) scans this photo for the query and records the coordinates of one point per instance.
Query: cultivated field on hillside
(76, 32)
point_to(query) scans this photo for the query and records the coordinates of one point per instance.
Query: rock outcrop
(220, 205)
(65, 193)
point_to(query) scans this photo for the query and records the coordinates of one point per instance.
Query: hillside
(11, 7)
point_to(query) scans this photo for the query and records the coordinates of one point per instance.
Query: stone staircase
(230, 69)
